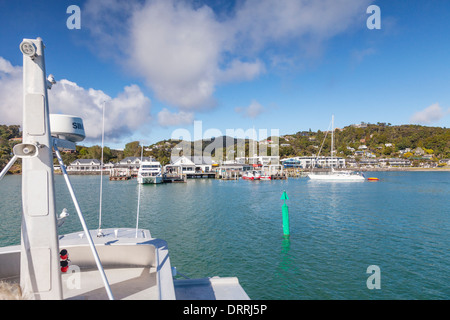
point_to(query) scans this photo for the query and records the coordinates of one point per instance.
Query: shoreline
(416, 169)
(395, 169)
(411, 169)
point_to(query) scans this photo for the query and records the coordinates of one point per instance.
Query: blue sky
(284, 65)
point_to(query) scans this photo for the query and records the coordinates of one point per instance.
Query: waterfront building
(233, 167)
(133, 163)
(368, 162)
(180, 165)
(264, 160)
(394, 162)
(84, 165)
(202, 163)
(189, 165)
(351, 163)
(292, 163)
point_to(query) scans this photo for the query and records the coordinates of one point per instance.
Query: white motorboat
(150, 172)
(251, 175)
(335, 175)
(116, 263)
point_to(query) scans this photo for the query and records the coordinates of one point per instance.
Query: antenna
(99, 232)
(332, 141)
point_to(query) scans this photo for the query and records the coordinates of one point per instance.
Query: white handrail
(8, 166)
(83, 223)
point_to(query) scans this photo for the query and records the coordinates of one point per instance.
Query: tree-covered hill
(382, 140)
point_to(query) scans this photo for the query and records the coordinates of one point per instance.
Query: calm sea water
(234, 228)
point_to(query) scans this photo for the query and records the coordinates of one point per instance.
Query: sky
(161, 67)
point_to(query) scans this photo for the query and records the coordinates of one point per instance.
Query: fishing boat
(251, 175)
(335, 175)
(150, 172)
(114, 263)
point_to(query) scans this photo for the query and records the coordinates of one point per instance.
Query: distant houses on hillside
(337, 162)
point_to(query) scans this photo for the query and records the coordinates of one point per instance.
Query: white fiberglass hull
(336, 177)
(150, 180)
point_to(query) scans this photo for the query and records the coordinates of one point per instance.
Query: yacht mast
(332, 141)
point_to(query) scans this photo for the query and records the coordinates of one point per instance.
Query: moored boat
(150, 172)
(336, 175)
(251, 175)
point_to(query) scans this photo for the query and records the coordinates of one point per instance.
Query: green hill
(380, 139)
(383, 140)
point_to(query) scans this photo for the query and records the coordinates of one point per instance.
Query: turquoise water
(234, 228)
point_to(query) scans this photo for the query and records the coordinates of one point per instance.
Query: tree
(387, 151)
(408, 155)
(132, 149)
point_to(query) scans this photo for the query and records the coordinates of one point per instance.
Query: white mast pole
(332, 141)
(99, 233)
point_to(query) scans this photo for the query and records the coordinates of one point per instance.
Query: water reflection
(285, 258)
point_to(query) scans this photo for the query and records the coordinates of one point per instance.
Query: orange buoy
(373, 179)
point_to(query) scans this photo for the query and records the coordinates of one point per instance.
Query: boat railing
(83, 223)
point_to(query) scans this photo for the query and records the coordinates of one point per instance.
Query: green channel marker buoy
(285, 211)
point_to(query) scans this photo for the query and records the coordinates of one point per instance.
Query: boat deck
(136, 269)
(214, 288)
(126, 284)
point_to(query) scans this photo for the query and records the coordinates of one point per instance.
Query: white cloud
(183, 50)
(430, 114)
(252, 111)
(176, 49)
(10, 93)
(125, 113)
(167, 118)
(262, 22)
(241, 71)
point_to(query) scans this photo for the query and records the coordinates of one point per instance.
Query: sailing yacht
(336, 175)
(150, 172)
(116, 263)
